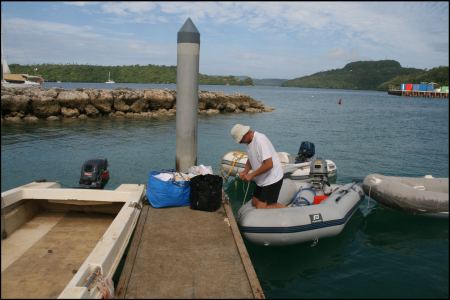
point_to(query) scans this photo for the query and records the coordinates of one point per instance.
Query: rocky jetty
(53, 104)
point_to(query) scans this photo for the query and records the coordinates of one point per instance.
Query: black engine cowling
(94, 174)
(305, 152)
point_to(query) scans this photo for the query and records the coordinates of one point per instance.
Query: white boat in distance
(21, 81)
(65, 242)
(109, 79)
(18, 80)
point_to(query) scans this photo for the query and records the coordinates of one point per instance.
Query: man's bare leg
(275, 205)
(258, 203)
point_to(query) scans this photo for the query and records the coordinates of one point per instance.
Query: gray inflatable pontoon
(296, 224)
(417, 195)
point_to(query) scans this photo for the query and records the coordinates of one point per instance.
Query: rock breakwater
(54, 104)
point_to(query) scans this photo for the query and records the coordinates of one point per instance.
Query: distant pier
(178, 252)
(425, 94)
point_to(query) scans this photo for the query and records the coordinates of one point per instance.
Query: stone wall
(32, 104)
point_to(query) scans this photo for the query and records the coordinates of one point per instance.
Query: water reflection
(389, 228)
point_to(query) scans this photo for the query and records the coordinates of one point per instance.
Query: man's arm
(265, 166)
(247, 168)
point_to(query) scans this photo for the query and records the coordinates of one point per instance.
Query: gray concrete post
(188, 51)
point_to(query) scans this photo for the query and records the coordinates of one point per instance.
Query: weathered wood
(185, 253)
(122, 285)
(247, 262)
(45, 269)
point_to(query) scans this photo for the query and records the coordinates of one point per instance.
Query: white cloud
(26, 26)
(127, 8)
(288, 38)
(80, 3)
(384, 24)
(343, 55)
(53, 42)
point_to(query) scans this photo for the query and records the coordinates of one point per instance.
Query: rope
(245, 195)
(106, 287)
(369, 209)
(368, 198)
(237, 156)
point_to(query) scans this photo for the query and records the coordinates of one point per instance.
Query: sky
(258, 39)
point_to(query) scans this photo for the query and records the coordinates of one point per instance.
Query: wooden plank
(186, 253)
(124, 279)
(248, 266)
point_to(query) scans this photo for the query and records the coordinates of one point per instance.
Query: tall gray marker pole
(187, 96)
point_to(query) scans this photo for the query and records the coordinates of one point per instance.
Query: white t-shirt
(259, 150)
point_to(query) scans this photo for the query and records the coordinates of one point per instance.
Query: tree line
(370, 75)
(121, 74)
(361, 75)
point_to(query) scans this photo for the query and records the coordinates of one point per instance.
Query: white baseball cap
(238, 131)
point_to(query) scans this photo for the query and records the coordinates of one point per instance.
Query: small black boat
(94, 174)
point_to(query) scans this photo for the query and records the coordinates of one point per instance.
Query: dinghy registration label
(316, 218)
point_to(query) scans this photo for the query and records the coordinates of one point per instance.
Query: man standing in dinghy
(263, 160)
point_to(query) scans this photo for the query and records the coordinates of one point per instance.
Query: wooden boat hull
(65, 243)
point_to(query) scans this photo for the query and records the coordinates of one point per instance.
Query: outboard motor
(318, 174)
(306, 151)
(94, 174)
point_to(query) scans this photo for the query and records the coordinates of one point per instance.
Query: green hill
(269, 81)
(360, 75)
(120, 74)
(438, 75)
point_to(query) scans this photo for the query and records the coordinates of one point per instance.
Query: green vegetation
(122, 74)
(438, 75)
(226, 80)
(370, 75)
(361, 75)
(269, 81)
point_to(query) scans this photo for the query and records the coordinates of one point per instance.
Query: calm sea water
(380, 254)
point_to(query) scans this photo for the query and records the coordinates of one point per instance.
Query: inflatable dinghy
(315, 209)
(417, 195)
(233, 162)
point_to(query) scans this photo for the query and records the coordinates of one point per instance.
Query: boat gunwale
(107, 253)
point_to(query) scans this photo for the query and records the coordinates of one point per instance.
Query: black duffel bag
(206, 192)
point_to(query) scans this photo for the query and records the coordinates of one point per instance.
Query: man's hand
(247, 177)
(243, 174)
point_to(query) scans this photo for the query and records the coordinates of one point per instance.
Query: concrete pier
(183, 253)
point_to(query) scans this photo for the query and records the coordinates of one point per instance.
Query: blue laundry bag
(162, 193)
